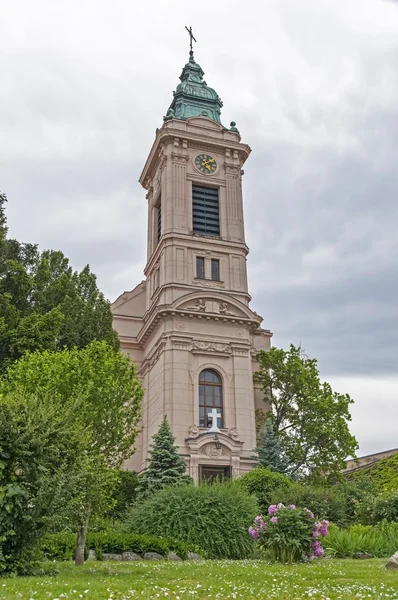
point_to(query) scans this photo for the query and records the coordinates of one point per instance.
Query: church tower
(188, 326)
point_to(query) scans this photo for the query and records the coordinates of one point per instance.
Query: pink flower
(253, 532)
(315, 534)
(272, 509)
(274, 520)
(260, 522)
(292, 506)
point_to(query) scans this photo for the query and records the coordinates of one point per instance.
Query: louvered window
(206, 214)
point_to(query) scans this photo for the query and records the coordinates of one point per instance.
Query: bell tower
(188, 325)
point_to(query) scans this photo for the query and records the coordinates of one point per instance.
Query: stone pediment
(203, 121)
(215, 305)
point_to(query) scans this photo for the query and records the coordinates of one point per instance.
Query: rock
(392, 562)
(131, 556)
(153, 556)
(193, 556)
(363, 555)
(110, 556)
(173, 556)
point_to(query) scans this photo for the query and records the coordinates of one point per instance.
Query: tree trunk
(81, 541)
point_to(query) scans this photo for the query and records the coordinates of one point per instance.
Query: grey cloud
(313, 89)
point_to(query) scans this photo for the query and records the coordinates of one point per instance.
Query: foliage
(215, 517)
(44, 304)
(254, 580)
(270, 455)
(288, 533)
(386, 509)
(166, 466)
(96, 395)
(267, 486)
(383, 474)
(124, 493)
(380, 540)
(62, 546)
(104, 380)
(310, 419)
(40, 445)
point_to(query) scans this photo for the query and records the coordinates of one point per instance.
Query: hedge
(62, 546)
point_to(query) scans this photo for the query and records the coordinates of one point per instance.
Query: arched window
(210, 396)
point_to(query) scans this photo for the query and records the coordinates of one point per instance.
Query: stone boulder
(153, 556)
(193, 556)
(173, 556)
(363, 555)
(111, 556)
(392, 562)
(131, 556)
(91, 555)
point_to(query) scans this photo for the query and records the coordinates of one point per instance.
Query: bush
(62, 546)
(267, 486)
(289, 534)
(326, 502)
(215, 517)
(124, 493)
(386, 509)
(380, 540)
(344, 503)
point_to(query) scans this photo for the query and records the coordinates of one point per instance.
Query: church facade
(189, 326)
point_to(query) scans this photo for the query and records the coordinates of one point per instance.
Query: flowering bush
(289, 534)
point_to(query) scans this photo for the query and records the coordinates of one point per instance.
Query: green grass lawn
(324, 579)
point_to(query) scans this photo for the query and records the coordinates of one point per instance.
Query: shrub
(62, 546)
(124, 492)
(386, 509)
(288, 534)
(267, 486)
(216, 517)
(380, 540)
(325, 502)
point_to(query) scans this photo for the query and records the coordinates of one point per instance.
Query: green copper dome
(192, 97)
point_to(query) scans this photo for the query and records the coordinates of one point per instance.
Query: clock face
(206, 164)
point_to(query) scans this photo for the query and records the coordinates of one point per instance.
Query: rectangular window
(205, 210)
(215, 269)
(159, 223)
(200, 267)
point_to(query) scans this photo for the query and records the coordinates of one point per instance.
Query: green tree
(44, 304)
(41, 442)
(269, 453)
(166, 466)
(102, 386)
(310, 419)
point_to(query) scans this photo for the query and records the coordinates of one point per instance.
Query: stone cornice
(195, 139)
(155, 316)
(194, 241)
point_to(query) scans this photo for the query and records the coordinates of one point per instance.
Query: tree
(102, 386)
(270, 455)
(44, 304)
(41, 441)
(310, 419)
(166, 466)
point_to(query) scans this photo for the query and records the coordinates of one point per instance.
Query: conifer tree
(166, 466)
(270, 454)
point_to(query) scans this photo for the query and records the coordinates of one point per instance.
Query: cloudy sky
(313, 87)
